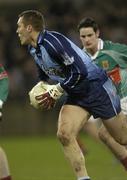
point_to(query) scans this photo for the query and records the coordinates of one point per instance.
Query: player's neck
(34, 39)
(92, 51)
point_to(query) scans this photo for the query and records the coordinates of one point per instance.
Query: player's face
(89, 38)
(23, 32)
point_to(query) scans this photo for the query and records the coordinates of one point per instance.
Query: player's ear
(98, 33)
(29, 28)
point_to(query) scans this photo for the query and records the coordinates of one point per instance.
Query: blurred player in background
(89, 90)
(113, 58)
(4, 88)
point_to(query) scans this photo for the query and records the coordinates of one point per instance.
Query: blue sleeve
(61, 50)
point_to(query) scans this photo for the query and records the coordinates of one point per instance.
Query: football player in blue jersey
(89, 90)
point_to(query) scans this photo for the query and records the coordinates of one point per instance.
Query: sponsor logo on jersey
(67, 59)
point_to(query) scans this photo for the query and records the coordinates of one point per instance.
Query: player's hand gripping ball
(39, 89)
(44, 96)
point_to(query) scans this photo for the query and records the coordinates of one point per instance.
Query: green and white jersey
(4, 84)
(113, 58)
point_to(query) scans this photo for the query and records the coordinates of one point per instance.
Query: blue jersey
(61, 60)
(87, 85)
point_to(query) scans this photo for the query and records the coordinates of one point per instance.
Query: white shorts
(124, 105)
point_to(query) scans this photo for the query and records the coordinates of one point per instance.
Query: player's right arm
(64, 54)
(4, 84)
(4, 87)
(41, 74)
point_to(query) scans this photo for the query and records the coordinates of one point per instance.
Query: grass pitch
(41, 158)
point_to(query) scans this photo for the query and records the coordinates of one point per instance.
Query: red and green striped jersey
(113, 58)
(4, 84)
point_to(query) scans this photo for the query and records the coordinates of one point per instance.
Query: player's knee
(1, 150)
(122, 141)
(105, 137)
(63, 137)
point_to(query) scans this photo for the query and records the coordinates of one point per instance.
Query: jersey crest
(68, 60)
(105, 64)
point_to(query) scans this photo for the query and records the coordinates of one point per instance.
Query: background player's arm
(4, 88)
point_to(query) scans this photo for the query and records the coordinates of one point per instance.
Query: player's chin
(23, 42)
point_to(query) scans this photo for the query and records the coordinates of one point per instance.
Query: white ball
(38, 89)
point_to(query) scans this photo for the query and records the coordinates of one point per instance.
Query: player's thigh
(117, 127)
(92, 127)
(72, 118)
(93, 124)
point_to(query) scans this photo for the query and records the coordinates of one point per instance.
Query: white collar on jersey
(100, 46)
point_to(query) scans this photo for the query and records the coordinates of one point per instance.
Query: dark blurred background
(63, 16)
